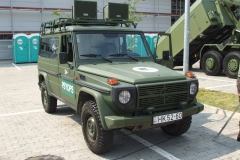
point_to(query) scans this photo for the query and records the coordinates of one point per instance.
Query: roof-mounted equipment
(84, 10)
(85, 14)
(116, 11)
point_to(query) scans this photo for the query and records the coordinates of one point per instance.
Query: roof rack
(62, 23)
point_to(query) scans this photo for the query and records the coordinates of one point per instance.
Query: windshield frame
(95, 60)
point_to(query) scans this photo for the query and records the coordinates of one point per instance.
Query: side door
(48, 62)
(67, 72)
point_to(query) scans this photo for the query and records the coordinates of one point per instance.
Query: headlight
(124, 97)
(193, 89)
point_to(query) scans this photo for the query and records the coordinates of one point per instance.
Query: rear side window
(49, 47)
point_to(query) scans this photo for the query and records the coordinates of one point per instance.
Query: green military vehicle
(94, 67)
(214, 38)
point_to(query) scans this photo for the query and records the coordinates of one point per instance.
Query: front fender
(103, 108)
(46, 81)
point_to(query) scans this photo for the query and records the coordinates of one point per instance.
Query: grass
(227, 101)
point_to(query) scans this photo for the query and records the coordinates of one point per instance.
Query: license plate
(167, 118)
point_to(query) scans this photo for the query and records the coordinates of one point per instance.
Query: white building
(26, 16)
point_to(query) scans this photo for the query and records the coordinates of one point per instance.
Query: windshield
(110, 45)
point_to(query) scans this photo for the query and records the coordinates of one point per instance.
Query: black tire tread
(225, 63)
(181, 128)
(219, 69)
(105, 140)
(52, 101)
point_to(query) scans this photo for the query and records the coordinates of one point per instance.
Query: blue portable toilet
(128, 41)
(137, 47)
(132, 43)
(153, 43)
(33, 47)
(135, 44)
(20, 48)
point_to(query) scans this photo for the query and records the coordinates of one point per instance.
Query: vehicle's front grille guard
(158, 95)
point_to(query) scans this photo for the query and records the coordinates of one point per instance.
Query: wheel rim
(209, 63)
(91, 128)
(233, 65)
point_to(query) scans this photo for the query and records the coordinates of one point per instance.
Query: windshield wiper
(95, 56)
(123, 54)
(118, 55)
(132, 58)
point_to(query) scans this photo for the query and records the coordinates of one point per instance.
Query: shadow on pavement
(64, 110)
(199, 141)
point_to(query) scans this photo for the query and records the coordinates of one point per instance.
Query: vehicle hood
(140, 72)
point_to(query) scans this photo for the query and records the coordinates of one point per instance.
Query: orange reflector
(75, 77)
(190, 75)
(112, 81)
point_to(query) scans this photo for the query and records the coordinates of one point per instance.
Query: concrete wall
(31, 20)
(5, 49)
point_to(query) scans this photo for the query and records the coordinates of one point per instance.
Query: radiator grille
(162, 94)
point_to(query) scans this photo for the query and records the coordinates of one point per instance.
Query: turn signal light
(190, 75)
(113, 81)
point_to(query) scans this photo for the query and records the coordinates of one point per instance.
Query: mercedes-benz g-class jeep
(104, 70)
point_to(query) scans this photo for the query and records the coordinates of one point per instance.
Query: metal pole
(42, 12)
(186, 37)
(154, 16)
(237, 108)
(11, 17)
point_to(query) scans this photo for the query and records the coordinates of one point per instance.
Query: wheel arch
(103, 108)
(83, 97)
(42, 76)
(203, 51)
(208, 47)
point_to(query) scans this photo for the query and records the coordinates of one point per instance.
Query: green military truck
(94, 67)
(214, 38)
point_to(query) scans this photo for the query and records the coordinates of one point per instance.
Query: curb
(215, 110)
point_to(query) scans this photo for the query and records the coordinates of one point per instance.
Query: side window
(49, 47)
(67, 46)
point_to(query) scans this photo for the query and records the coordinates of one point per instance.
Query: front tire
(49, 102)
(98, 140)
(231, 64)
(178, 128)
(212, 63)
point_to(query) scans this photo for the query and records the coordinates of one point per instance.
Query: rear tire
(231, 64)
(98, 140)
(178, 128)
(212, 63)
(49, 102)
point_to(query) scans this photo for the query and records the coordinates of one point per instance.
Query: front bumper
(114, 122)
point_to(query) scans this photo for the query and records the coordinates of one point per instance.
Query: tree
(61, 14)
(133, 16)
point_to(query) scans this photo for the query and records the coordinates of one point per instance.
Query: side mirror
(63, 57)
(165, 55)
